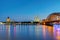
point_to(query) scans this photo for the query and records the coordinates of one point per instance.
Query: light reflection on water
(29, 32)
(57, 32)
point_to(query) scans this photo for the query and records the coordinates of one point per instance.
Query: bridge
(53, 18)
(34, 22)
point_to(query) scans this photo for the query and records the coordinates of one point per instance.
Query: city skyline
(28, 8)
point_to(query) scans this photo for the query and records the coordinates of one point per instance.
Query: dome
(8, 19)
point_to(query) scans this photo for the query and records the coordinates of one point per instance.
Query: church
(8, 19)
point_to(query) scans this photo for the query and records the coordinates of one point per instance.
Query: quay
(21, 23)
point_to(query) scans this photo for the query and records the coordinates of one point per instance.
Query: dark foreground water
(29, 32)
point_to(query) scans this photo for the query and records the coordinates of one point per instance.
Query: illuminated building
(36, 19)
(8, 19)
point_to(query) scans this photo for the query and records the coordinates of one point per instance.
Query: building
(8, 19)
(36, 19)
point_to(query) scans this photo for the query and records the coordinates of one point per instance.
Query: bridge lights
(44, 23)
(1, 23)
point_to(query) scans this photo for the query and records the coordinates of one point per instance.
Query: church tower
(36, 19)
(8, 19)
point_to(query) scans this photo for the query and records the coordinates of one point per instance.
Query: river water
(29, 32)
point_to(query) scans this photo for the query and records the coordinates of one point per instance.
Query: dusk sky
(21, 9)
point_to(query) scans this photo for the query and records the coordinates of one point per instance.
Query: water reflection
(8, 31)
(2, 32)
(47, 32)
(50, 32)
(29, 32)
(57, 32)
(14, 33)
(44, 31)
(38, 32)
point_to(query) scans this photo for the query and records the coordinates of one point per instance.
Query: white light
(1, 23)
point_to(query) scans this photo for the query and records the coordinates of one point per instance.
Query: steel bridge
(53, 18)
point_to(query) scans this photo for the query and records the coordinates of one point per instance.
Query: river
(29, 32)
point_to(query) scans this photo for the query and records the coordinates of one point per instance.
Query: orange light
(44, 23)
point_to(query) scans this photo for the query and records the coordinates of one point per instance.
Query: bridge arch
(53, 16)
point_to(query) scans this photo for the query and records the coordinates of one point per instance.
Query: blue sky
(28, 9)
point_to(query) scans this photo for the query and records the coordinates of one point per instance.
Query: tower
(8, 19)
(36, 19)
